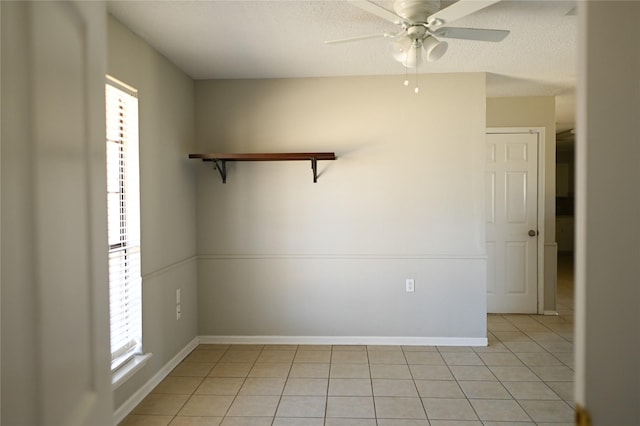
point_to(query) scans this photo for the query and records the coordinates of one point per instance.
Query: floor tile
(304, 370)
(301, 406)
(511, 336)
(390, 371)
(245, 347)
(394, 387)
(538, 359)
(554, 373)
(350, 387)
(220, 386)
(430, 372)
(206, 405)
(464, 372)
(461, 358)
(399, 408)
(349, 348)
(231, 370)
(276, 356)
(209, 356)
(178, 385)
(350, 422)
(563, 389)
(385, 348)
(548, 411)
(192, 369)
(484, 390)
(499, 410)
(243, 356)
(439, 389)
(454, 349)
(145, 420)
(161, 404)
(518, 347)
(387, 357)
(511, 374)
(196, 421)
(490, 423)
(349, 371)
(313, 356)
(254, 406)
(501, 359)
(419, 348)
(402, 422)
(448, 409)
(349, 357)
(280, 348)
(262, 386)
(247, 421)
(302, 348)
(350, 407)
(530, 390)
(425, 358)
(213, 347)
(293, 421)
(271, 369)
(306, 387)
(558, 347)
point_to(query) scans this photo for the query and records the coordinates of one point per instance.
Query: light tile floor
(524, 377)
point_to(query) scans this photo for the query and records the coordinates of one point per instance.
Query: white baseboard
(146, 389)
(346, 340)
(551, 313)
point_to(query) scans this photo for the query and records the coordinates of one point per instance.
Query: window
(123, 217)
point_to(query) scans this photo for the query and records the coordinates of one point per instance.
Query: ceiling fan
(422, 23)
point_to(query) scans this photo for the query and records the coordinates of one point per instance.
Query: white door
(511, 230)
(55, 371)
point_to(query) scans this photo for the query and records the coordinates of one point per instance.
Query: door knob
(532, 233)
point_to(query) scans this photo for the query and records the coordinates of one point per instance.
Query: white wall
(281, 255)
(167, 186)
(607, 212)
(536, 111)
(55, 301)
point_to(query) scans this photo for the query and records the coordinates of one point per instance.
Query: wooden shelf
(220, 160)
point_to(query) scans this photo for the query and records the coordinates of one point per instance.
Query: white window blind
(123, 213)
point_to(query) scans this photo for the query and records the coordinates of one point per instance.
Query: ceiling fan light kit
(420, 21)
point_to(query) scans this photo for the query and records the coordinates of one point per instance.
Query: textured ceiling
(281, 39)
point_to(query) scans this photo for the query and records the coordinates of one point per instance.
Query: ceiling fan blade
(363, 37)
(377, 10)
(458, 10)
(471, 34)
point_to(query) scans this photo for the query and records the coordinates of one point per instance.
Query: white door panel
(511, 212)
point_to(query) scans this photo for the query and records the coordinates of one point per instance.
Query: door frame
(540, 219)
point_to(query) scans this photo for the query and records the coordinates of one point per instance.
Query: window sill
(125, 372)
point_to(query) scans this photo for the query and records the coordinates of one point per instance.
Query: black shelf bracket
(314, 167)
(221, 166)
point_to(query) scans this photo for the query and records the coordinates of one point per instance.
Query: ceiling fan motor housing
(416, 10)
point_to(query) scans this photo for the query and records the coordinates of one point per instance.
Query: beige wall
(536, 112)
(607, 212)
(167, 186)
(280, 255)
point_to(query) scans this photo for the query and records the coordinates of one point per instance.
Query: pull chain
(417, 89)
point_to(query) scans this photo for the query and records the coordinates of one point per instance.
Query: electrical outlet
(410, 285)
(178, 312)
(178, 296)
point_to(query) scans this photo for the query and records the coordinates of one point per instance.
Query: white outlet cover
(410, 285)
